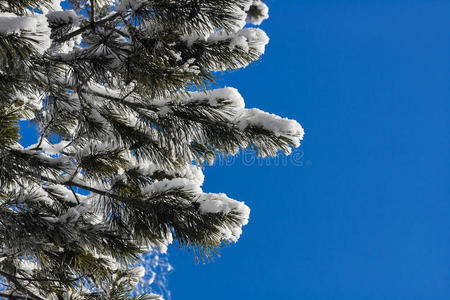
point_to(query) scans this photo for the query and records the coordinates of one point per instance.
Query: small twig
(41, 138)
(92, 15)
(84, 28)
(75, 194)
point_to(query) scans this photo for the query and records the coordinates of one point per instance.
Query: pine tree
(121, 93)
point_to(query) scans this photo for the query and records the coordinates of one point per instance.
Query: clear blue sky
(365, 213)
(367, 216)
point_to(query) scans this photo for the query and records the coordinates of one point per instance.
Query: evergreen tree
(120, 92)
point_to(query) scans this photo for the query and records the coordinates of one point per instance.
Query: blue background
(367, 216)
(362, 210)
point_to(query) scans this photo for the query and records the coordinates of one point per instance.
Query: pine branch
(121, 117)
(18, 285)
(14, 297)
(85, 28)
